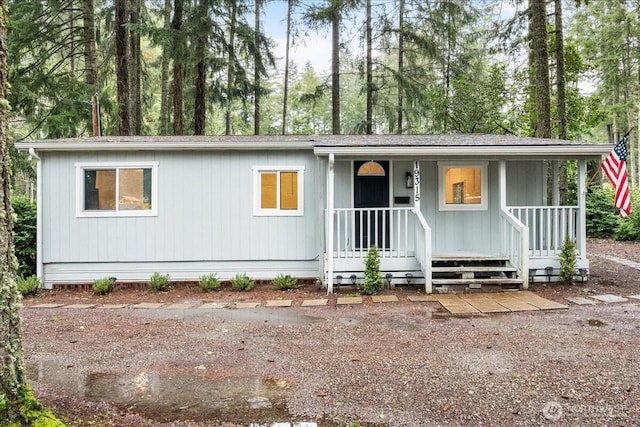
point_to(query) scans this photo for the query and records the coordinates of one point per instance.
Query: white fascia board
(162, 146)
(575, 151)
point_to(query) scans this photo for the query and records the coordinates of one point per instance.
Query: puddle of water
(244, 400)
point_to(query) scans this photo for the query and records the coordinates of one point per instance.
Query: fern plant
(209, 282)
(242, 282)
(158, 282)
(372, 283)
(285, 281)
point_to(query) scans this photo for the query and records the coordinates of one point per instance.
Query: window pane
(289, 190)
(100, 190)
(463, 186)
(131, 191)
(268, 197)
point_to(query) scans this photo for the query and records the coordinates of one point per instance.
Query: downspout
(39, 265)
(330, 207)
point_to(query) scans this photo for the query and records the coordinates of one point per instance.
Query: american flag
(615, 167)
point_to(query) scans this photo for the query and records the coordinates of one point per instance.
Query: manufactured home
(443, 210)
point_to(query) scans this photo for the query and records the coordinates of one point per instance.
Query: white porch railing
(515, 244)
(398, 233)
(549, 227)
(389, 229)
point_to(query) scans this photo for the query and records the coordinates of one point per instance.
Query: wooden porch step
(468, 257)
(478, 269)
(487, 281)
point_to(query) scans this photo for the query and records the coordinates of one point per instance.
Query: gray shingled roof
(344, 145)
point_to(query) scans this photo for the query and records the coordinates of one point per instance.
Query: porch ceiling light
(371, 168)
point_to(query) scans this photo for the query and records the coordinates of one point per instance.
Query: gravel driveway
(391, 364)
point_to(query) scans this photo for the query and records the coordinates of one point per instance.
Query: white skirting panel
(59, 273)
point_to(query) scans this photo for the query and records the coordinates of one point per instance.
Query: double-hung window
(278, 191)
(116, 189)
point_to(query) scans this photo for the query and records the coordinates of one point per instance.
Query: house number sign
(416, 182)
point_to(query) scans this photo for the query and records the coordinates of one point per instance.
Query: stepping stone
(148, 305)
(542, 303)
(180, 306)
(114, 306)
(46, 306)
(422, 298)
(314, 302)
(581, 301)
(456, 305)
(80, 306)
(349, 300)
(608, 298)
(278, 303)
(214, 305)
(485, 304)
(384, 298)
(513, 302)
(634, 296)
(246, 304)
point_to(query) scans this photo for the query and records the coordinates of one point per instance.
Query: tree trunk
(164, 72)
(285, 95)
(400, 105)
(13, 382)
(257, 60)
(200, 104)
(538, 27)
(335, 68)
(122, 68)
(91, 61)
(231, 62)
(369, 71)
(560, 73)
(135, 64)
(178, 69)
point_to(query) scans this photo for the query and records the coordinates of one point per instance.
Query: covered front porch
(419, 244)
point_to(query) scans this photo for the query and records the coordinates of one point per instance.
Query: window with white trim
(105, 189)
(278, 191)
(463, 186)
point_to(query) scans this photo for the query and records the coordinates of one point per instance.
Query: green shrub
(28, 286)
(603, 218)
(629, 228)
(102, 286)
(209, 282)
(567, 262)
(372, 283)
(158, 282)
(285, 282)
(242, 282)
(24, 234)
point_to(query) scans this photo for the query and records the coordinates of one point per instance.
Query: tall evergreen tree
(122, 67)
(540, 56)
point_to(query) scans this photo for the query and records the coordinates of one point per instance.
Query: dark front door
(371, 190)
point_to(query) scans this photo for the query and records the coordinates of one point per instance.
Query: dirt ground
(391, 364)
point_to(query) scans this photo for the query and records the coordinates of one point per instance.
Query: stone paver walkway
(456, 304)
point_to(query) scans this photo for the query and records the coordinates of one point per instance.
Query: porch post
(502, 183)
(330, 207)
(555, 183)
(581, 232)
